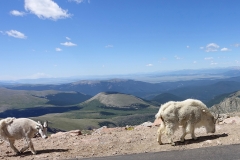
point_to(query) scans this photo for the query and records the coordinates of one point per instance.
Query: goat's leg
(192, 133)
(184, 133)
(11, 143)
(169, 133)
(29, 144)
(25, 147)
(190, 129)
(159, 132)
(31, 147)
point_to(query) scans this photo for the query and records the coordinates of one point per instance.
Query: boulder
(231, 120)
(71, 133)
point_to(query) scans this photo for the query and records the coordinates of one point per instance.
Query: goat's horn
(45, 124)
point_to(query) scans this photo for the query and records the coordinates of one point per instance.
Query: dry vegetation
(119, 141)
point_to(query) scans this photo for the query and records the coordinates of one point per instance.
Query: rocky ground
(119, 141)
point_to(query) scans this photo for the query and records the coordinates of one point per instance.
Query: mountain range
(88, 104)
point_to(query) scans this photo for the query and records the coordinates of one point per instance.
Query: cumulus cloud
(16, 34)
(212, 47)
(46, 9)
(109, 46)
(225, 49)
(58, 49)
(68, 38)
(68, 44)
(149, 65)
(17, 13)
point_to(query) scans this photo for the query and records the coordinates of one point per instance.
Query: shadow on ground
(201, 139)
(39, 152)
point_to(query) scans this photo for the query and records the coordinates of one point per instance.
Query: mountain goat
(189, 114)
(12, 129)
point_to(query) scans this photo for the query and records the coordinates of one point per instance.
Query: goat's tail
(6, 121)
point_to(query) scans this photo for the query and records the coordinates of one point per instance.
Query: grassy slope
(22, 99)
(91, 115)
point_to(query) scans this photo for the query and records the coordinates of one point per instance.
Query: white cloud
(109, 46)
(225, 49)
(78, 1)
(16, 34)
(17, 13)
(213, 63)
(178, 58)
(212, 47)
(201, 47)
(237, 45)
(188, 46)
(46, 9)
(68, 44)
(58, 49)
(68, 38)
(149, 65)
(208, 58)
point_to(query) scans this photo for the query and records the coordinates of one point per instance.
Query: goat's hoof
(182, 139)
(195, 138)
(173, 144)
(18, 153)
(34, 153)
(159, 142)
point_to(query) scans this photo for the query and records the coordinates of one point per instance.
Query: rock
(75, 132)
(231, 120)
(157, 122)
(128, 141)
(71, 133)
(147, 124)
(129, 127)
(219, 142)
(58, 134)
(222, 117)
(99, 131)
(209, 141)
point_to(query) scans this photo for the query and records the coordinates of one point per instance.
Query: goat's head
(42, 129)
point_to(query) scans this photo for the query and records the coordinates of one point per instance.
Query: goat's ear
(39, 122)
(45, 124)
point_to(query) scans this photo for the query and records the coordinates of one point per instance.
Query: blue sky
(62, 38)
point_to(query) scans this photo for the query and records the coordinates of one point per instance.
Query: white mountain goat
(189, 114)
(12, 129)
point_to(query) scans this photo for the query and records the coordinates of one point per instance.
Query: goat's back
(21, 127)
